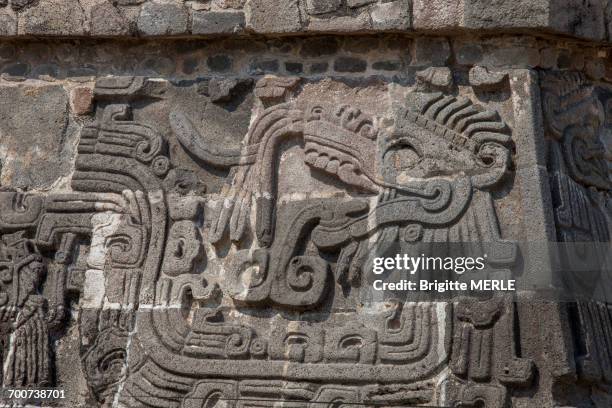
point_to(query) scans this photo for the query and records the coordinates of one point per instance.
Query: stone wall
(189, 192)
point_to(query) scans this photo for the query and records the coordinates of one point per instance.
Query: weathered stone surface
(139, 178)
(268, 16)
(350, 64)
(431, 51)
(20, 4)
(8, 23)
(319, 46)
(345, 23)
(438, 77)
(81, 100)
(390, 65)
(17, 69)
(359, 3)
(35, 149)
(322, 6)
(223, 22)
(106, 20)
(583, 19)
(191, 221)
(160, 19)
(319, 68)
(260, 66)
(579, 18)
(294, 67)
(219, 63)
(54, 18)
(480, 76)
(393, 15)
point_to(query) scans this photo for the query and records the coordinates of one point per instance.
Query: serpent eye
(316, 113)
(402, 156)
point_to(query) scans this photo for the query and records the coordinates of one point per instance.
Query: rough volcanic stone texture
(222, 22)
(270, 16)
(587, 19)
(188, 222)
(54, 18)
(107, 20)
(575, 17)
(8, 23)
(35, 149)
(391, 16)
(159, 19)
(322, 6)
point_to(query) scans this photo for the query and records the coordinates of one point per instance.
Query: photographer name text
(423, 285)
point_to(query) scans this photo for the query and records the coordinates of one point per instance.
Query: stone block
(468, 53)
(431, 51)
(294, 67)
(8, 23)
(359, 3)
(217, 22)
(81, 100)
(315, 7)
(437, 14)
(219, 63)
(579, 18)
(435, 77)
(20, 4)
(548, 57)
(16, 69)
(393, 15)
(7, 51)
(350, 64)
(263, 66)
(319, 46)
(271, 16)
(501, 13)
(162, 19)
(106, 20)
(361, 44)
(482, 77)
(352, 23)
(513, 55)
(319, 67)
(231, 4)
(387, 65)
(53, 18)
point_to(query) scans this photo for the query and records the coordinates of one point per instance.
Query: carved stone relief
(211, 242)
(247, 290)
(578, 128)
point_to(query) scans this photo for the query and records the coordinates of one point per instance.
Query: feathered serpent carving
(449, 136)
